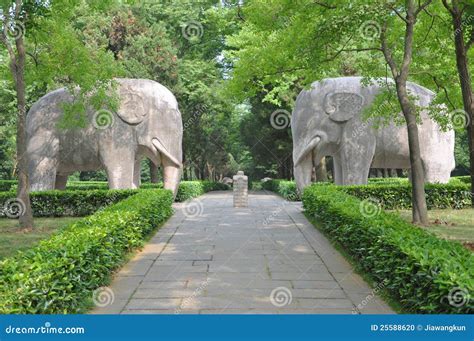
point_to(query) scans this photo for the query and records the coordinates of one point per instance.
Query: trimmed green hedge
(84, 201)
(287, 189)
(191, 189)
(390, 195)
(398, 196)
(59, 275)
(420, 270)
(69, 203)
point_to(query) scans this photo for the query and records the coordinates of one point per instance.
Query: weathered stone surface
(238, 276)
(240, 182)
(327, 121)
(146, 124)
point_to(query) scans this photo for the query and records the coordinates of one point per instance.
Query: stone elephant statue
(326, 121)
(146, 124)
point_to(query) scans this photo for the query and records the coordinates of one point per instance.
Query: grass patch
(13, 239)
(449, 224)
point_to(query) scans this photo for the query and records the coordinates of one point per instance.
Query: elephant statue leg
(120, 169)
(356, 159)
(61, 181)
(171, 175)
(337, 169)
(302, 172)
(137, 173)
(42, 153)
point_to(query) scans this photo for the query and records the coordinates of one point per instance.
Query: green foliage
(398, 196)
(287, 189)
(72, 203)
(418, 269)
(59, 275)
(192, 189)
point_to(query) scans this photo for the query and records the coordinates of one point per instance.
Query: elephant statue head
(153, 111)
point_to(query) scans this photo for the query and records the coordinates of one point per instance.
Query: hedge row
(85, 201)
(398, 196)
(65, 203)
(191, 189)
(287, 189)
(424, 273)
(59, 275)
(390, 195)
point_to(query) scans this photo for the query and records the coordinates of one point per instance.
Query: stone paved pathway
(213, 258)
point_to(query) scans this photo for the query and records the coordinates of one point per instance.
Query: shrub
(398, 196)
(287, 189)
(75, 203)
(191, 189)
(59, 275)
(422, 272)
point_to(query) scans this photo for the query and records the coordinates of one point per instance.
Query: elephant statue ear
(342, 106)
(133, 108)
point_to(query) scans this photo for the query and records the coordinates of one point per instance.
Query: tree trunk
(465, 81)
(18, 69)
(400, 74)
(419, 210)
(153, 172)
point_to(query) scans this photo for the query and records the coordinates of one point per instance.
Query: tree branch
(398, 13)
(444, 89)
(325, 5)
(445, 3)
(422, 7)
(387, 52)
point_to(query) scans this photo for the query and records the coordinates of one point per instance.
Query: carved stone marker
(241, 190)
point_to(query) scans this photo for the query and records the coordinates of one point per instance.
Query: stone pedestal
(241, 190)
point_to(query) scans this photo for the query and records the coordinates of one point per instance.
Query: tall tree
(462, 14)
(400, 72)
(39, 46)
